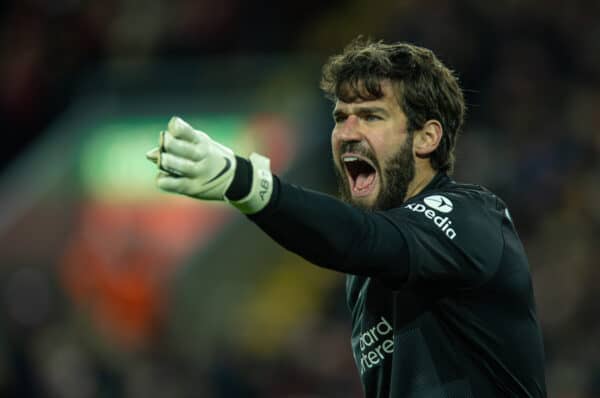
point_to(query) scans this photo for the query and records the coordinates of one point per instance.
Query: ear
(427, 139)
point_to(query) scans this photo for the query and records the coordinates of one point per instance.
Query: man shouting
(438, 282)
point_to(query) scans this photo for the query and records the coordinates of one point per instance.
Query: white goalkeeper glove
(192, 164)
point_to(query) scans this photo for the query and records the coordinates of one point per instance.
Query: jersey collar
(440, 180)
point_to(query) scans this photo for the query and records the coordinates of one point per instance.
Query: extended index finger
(180, 129)
(183, 148)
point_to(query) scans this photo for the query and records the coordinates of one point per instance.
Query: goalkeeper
(438, 282)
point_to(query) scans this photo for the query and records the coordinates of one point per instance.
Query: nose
(349, 130)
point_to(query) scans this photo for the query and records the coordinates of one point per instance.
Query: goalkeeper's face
(372, 151)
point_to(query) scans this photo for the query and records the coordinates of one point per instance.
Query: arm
(409, 244)
(315, 226)
(332, 234)
(459, 246)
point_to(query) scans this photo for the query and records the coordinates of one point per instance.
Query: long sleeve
(332, 234)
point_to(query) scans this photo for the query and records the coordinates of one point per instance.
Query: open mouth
(362, 174)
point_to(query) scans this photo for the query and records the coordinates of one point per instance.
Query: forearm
(332, 234)
(311, 225)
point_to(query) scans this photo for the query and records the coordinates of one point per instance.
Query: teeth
(350, 159)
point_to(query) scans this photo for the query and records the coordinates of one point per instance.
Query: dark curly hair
(426, 89)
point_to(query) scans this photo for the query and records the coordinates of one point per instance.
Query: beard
(394, 178)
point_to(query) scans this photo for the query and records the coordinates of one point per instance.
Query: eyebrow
(361, 109)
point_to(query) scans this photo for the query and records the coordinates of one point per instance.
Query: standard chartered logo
(441, 204)
(375, 344)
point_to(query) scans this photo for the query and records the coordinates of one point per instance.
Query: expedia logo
(441, 204)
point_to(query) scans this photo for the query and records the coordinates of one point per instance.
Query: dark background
(531, 74)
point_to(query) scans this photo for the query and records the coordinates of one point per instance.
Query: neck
(423, 176)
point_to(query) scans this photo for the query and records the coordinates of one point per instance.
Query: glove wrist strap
(262, 186)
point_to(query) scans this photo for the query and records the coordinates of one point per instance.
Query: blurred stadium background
(109, 288)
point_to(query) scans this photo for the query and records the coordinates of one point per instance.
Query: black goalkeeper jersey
(439, 289)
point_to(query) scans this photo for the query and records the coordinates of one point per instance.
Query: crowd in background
(531, 73)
